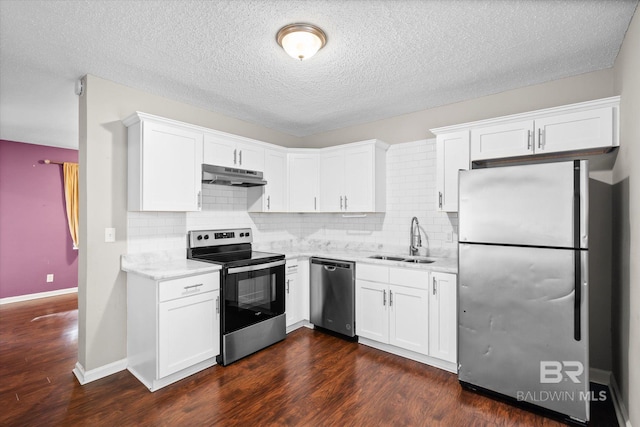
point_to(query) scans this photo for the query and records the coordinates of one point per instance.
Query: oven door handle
(255, 267)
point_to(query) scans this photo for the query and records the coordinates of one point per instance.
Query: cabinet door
(291, 302)
(359, 181)
(303, 182)
(409, 318)
(188, 332)
(442, 316)
(220, 151)
(372, 314)
(506, 140)
(332, 176)
(250, 156)
(171, 168)
(275, 173)
(452, 155)
(575, 131)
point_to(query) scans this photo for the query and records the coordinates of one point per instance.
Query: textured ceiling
(382, 58)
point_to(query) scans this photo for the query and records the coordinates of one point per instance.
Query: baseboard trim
(618, 404)
(28, 297)
(600, 376)
(85, 377)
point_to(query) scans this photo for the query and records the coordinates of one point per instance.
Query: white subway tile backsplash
(411, 191)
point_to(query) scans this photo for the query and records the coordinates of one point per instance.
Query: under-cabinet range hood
(222, 175)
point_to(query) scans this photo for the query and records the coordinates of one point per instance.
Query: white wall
(626, 235)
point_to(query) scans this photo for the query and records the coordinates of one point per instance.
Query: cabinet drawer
(186, 286)
(409, 277)
(373, 273)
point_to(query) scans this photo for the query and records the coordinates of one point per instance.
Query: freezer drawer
(517, 324)
(333, 295)
(531, 205)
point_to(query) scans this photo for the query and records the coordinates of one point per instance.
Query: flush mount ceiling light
(301, 41)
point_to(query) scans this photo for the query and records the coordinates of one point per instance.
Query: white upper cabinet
(504, 140)
(227, 150)
(164, 165)
(452, 155)
(581, 130)
(303, 178)
(273, 196)
(332, 176)
(353, 177)
(573, 128)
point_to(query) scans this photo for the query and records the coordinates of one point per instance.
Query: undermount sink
(387, 258)
(403, 259)
(419, 261)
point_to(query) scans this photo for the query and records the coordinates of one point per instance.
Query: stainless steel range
(252, 290)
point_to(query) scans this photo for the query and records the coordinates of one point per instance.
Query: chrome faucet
(416, 240)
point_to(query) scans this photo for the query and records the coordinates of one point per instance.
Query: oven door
(251, 294)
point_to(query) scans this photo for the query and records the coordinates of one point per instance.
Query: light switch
(49, 278)
(109, 235)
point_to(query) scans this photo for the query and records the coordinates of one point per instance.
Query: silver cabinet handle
(268, 202)
(384, 297)
(218, 304)
(340, 202)
(434, 286)
(235, 157)
(540, 136)
(440, 199)
(240, 156)
(529, 139)
(186, 288)
(345, 203)
(288, 280)
(315, 203)
(390, 298)
(199, 199)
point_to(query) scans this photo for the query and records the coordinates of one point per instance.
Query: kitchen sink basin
(387, 258)
(419, 261)
(403, 259)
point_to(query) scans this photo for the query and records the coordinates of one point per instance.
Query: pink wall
(34, 235)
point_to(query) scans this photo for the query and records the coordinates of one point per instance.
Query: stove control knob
(246, 234)
(241, 234)
(199, 237)
(206, 237)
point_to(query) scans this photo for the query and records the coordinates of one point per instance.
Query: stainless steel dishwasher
(332, 295)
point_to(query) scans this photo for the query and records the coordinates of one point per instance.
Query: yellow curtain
(70, 171)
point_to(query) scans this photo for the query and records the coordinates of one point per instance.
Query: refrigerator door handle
(577, 315)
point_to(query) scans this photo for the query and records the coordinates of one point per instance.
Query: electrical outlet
(49, 278)
(449, 237)
(109, 235)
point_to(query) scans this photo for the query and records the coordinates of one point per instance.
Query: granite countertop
(164, 265)
(441, 264)
(173, 264)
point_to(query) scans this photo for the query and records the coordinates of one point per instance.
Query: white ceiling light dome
(301, 41)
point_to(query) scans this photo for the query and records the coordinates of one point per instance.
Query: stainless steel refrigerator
(523, 285)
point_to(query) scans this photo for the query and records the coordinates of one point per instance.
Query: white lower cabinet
(409, 312)
(443, 325)
(292, 307)
(395, 314)
(173, 327)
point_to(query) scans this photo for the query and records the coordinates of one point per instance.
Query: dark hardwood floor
(310, 379)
